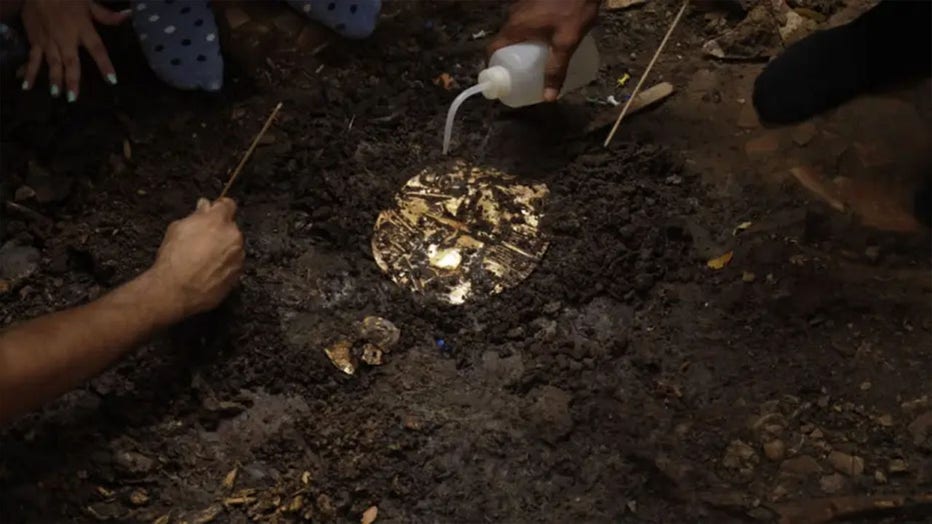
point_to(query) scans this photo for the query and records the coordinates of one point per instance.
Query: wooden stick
(650, 66)
(252, 147)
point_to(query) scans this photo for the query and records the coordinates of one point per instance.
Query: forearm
(45, 357)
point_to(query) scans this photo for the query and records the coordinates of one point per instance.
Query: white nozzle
(454, 107)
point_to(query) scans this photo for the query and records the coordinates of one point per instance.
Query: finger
(203, 205)
(32, 67)
(504, 38)
(224, 207)
(53, 58)
(107, 17)
(72, 65)
(95, 47)
(562, 47)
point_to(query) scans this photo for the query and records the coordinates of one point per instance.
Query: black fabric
(891, 42)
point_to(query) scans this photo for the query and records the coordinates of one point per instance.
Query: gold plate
(460, 232)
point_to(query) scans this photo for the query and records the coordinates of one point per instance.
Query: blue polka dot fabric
(181, 42)
(349, 18)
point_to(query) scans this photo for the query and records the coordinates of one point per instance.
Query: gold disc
(459, 232)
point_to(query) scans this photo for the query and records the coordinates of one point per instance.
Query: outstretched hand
(560, 23)
(56, 30)
(201, 257)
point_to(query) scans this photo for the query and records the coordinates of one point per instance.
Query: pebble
(832, 484)
(132, 462)
(921, 430)
(851, 465)
(739, 455)
(550, 413)
(775, 450)
(885, 420)
(803, 134)
(872, 253)
(139, 497)
(24, 193)
(897, 466)
(18, 262)
(879, 477)
(801, 466)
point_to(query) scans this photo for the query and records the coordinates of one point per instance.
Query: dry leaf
(306, 478)
(162, 520)
(369, 516)
(230, 479)
(720, 262)
(741, 227)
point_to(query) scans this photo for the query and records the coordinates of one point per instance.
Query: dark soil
(623, 381)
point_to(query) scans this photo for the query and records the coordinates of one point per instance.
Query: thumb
(107, 17)
(561, 50)
(203, 205)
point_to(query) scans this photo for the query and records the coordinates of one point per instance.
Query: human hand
(560, 23)
(201, 258)
(56, 29)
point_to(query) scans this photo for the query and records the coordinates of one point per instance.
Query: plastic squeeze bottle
(515, 76)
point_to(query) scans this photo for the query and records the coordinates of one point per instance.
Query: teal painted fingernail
(71, 96)
(54, 90)
(25, 85)
(111, 77)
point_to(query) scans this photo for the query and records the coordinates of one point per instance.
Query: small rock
(879, 477)
(17, 262)
(775, 450)
(921, 430)
(325, 504)
(850, 465)
(866, 386)
(897, 466)
(832, 484)
(885, 420)
(139, 497)
(739, 455)
(24, 193)
(803, 134)
(801, 466)
(872, 253)
(132, 462)
(816, 434)
(550, 413)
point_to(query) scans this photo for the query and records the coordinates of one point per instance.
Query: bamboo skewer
(650, 66)
(252, 147)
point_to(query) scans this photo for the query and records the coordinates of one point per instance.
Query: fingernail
(550, 94)
(72, 96)
(25, 85)
(54, 90)
(111, 77)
